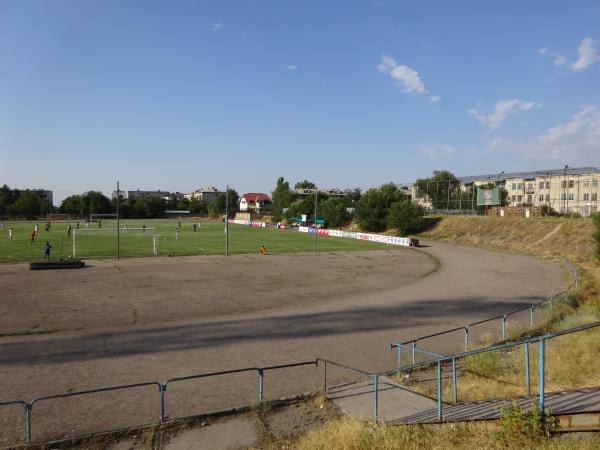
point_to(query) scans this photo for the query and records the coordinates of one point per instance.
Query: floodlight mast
(227, 220)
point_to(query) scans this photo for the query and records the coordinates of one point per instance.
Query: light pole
(118, 230)
(500, 190)
(227, 221)
(316, 234)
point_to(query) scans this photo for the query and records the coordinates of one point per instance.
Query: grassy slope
(209, 239)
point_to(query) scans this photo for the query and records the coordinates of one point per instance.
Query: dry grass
(355, 434)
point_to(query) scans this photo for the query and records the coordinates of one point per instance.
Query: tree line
(27, 203)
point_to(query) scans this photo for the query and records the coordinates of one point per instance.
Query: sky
(181, 94)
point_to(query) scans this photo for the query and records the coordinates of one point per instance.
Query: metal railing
(524, 342)
(162, 388)
(564, 296)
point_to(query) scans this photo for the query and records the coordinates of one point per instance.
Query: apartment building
(568, 190)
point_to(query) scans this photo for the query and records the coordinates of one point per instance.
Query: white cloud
(575, 141)
(501, 111)
(588, 55)
(437, 151)
(406, 76)
(217, 26)
(292, 67)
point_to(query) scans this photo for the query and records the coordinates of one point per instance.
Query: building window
(594, 197)
(547, 185)
(571, 184)
(594, 183)
(570, 196)
(586, 197)
(519, 186)
(530, 186)
(520, 198)
(514, 198)
(541, 185)
(514, 186)
(563, 184)
(563, 196)
(541, 197)
(586, 183)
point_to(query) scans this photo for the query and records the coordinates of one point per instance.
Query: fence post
(454, 387)
(504, 326)
(467, 338)
(161, 391)
(527, 377)
(325, 379)
(414, 344)
(261, 375)
(542, 380)
(531, 315)
(376, 382)
(439, 389)
(28, 408)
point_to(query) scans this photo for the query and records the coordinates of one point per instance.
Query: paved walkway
(394, 400)
(564, 402)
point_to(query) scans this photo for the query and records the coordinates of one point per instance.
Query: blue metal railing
(524, 342)
(162, 388)
(503, 317)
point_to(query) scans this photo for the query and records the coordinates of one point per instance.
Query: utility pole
(227, 221)
(118, 228)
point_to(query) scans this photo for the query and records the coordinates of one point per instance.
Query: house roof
(531, 174)
(253, 197)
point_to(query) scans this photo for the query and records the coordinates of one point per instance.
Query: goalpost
(129, 238)
(57, 216)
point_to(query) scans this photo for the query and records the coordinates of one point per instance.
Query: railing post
(261, 375)
(531, 315)
(161, 391)
(398, 360)
(504, 326)
(527, 377)
(439, 389)
(376, 383)
(325, 379)
(542, 379)
(28, 408)
(414, 344)
(454, 387)
(467, 338)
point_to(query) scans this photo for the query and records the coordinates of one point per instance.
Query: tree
(372, 208)
(73, 204)
(233, 203)
(406, 216)
(29, 204)
(596, 235)
(305, 184)
(282, 198)
(150, 206)
(334, 211)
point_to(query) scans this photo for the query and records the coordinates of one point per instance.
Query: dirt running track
(152, 319)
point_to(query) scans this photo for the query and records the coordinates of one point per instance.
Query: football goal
(102, 242)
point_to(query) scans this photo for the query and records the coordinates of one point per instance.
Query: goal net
(102, 242)
(56, 216)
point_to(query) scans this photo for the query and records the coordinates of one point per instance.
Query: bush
(596, 220)
(406, 216)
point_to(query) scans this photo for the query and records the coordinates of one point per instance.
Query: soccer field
(209, 238)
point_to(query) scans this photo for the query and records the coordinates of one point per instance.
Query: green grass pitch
(208, 239)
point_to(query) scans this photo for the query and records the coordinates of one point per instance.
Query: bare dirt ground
(143, 320)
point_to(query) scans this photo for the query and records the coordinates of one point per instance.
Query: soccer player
(37, 229)
(10, 233)
(177, 233)
(47, 249)
(32, 236)
(262, 250)
(69, 230)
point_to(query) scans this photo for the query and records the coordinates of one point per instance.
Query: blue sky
(182, 94)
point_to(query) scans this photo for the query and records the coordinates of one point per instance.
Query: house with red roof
(256, 202)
